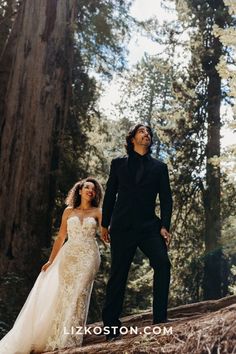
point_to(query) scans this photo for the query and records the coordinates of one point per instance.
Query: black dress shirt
(137, 165)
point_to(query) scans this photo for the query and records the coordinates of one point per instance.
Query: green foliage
(99, 40)
(146, 91)
(103, 27)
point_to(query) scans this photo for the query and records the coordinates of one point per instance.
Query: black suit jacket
(131, 206)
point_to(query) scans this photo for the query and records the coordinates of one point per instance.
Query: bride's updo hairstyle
(73, 198)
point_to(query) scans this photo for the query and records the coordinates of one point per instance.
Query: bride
(59, 299)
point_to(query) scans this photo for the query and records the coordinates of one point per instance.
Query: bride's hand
(45, 266)
(105, 234)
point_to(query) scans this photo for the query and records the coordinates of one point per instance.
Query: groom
(129, 221)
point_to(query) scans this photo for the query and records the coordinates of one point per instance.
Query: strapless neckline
(82, 222)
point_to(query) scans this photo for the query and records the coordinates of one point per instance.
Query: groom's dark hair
(129, 146)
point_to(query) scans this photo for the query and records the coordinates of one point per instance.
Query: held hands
(45, 266)
(166, 235)
(105, 234)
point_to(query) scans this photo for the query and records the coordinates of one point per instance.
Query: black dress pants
(122, 253)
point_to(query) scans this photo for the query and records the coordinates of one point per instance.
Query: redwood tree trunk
(213, 280)
(6, 22)
(34, 115)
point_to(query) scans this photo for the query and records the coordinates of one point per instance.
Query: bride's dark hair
(73, 198)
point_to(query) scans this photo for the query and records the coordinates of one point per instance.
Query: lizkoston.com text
(79, 330)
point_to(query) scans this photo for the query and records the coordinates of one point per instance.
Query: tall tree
(226, 70)
(207, 14)
(36, 105)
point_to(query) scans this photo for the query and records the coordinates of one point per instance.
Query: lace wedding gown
(59, 299)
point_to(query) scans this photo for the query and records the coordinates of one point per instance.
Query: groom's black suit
(129, 208)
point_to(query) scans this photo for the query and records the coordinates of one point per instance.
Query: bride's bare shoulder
(67, 211)
(98, 210)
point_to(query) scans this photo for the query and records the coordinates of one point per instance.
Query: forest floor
(204, 327)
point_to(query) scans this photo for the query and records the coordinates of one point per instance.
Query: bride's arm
(59, 240)
(99, 218)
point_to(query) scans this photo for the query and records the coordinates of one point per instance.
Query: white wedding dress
(59, 299)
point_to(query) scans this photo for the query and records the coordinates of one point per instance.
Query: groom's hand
(105, 234)
(166, 235)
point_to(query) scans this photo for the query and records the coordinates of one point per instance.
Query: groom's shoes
(111, 337)
(114, 333)
(163, 320)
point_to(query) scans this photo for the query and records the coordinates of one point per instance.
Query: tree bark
(34, 116)
(6, 50)
(215, 277)
(212, 267)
